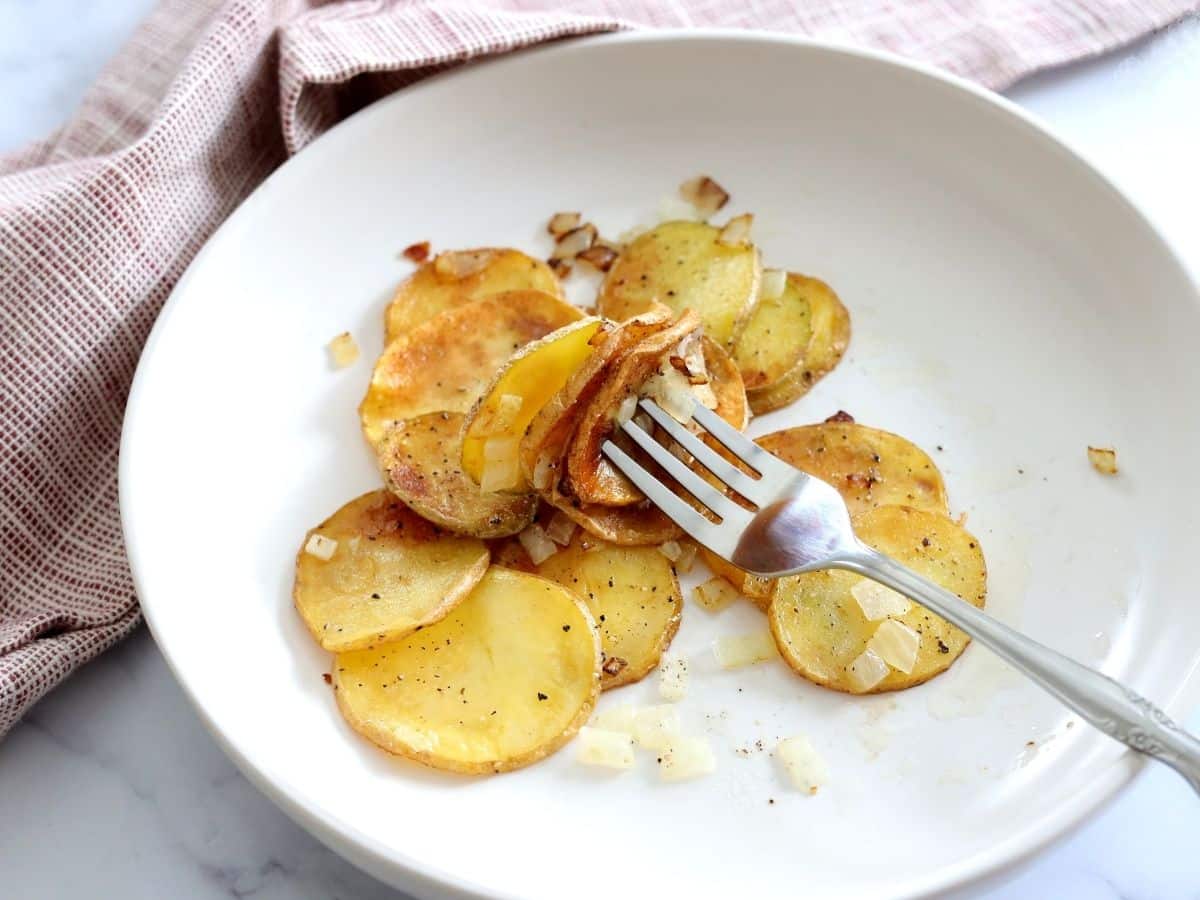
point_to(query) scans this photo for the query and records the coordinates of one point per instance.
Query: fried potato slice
(589, 475)
(683, 265)
(547, 436)
(391, 573)
(457, 277)
(419, 460)
(629, 526)
(776, 336)
(828, 335)
(634, 597)
(504, 680)
(820, 629)
(445, 363)
(725, 379)
(534, 374)
(869, 467)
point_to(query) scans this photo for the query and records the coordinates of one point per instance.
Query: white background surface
(112, 787)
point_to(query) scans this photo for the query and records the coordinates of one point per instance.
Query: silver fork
(800, 524)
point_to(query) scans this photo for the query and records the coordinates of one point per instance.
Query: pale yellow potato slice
(445, 363)
(828, 337)
(821, 630)
(391, 573)
(502, 681)
(457, 277)
(534, 374)
(629, 526)
(869, 467)
(775, 337)
(683, 265)
(419, 460)
(634, 597)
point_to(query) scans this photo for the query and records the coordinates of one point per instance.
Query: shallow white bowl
(1010, 307)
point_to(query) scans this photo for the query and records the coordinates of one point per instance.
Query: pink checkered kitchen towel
(99, 220)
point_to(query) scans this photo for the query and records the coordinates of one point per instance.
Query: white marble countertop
(112, 787)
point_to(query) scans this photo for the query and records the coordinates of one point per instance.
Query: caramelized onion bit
(841, 416)
(574, 242)
(705, 194)
(561, 223)
(418, 253)
(599, 257)
(1103, 460)
(560, 267)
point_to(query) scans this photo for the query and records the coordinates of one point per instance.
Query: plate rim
(361, 849)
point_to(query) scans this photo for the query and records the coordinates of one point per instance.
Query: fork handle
(1109, 705)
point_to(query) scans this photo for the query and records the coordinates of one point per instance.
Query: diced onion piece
(674, 209)
(321, 547)
(715, 594)
(671, 550)
(543, 472)
(501, 466)
(896, 644)
(805, 768)
(670, 389)
(735, 651)
(704, 194)
(460, 263)
(643, 421)
(691, 350)
(685, 758)
(879, 602)
(626, 410)
(867, 670)
(673, 677)
(1103, 460)
(561, 223)
(560, 267)
(575, 242)
(774, 282)
(655, 726)
(560, 528)
(343, 350)
(537, 544)
(687, 557)
(610, 749)
(736, 232)
(619, 718)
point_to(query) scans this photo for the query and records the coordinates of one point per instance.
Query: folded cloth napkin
(98, 221)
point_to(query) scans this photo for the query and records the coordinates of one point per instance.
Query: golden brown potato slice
(389, 573)
(457, 277)
(634, 597)
(532, 376)
(589, 476)
(821, 629)
(775, 337)
(683, 265)
(445, 363)
(868, 467)
(419, 459)
(828, 336)
(727, 385)
(547, 436)
(503, 681)
(629, 526)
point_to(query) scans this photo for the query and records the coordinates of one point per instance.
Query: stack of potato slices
(506, 573)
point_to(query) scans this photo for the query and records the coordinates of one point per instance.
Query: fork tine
(688, 480)
(750, 488)
(740, 445)
(687, 518)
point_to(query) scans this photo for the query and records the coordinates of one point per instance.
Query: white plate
(1010, 307)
